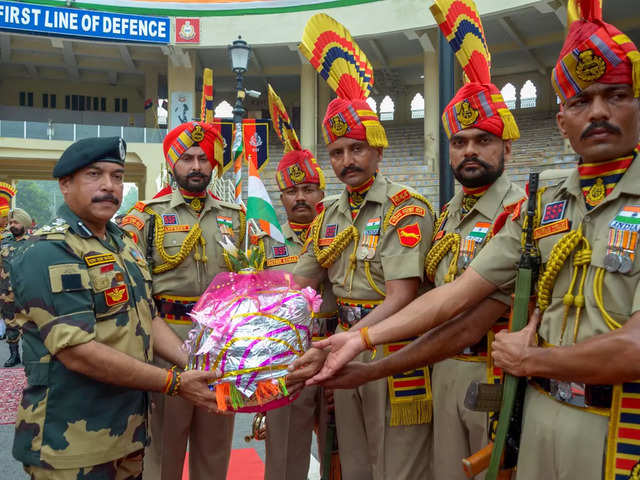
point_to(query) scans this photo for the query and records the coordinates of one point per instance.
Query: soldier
(371, 244)
(479, 144)
(301, 183)
(179, 230)
(19, 222)
(83, 295)
(580, 348)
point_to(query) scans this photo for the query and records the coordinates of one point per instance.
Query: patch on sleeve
(140, 206)
(170, 219)
(553, 212)
(133, 220)
(405, 212)
(401, 197)
(68, 278)
(410, 235)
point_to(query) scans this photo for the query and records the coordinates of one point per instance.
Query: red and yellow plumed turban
(594, 51)
(297, 165)
(190, 134)
(329, 47)
(7, 192)
(479, 103)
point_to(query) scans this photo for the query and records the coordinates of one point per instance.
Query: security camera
(253, 93)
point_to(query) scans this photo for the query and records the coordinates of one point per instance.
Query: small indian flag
(373, 225)
(627, 219)
(480, 231)
(259, 206)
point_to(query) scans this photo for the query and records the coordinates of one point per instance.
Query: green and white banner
(202, 7)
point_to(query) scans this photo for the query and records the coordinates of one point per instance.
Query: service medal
(371, 252)
(611, 262)
(362, 252)
(625, 264)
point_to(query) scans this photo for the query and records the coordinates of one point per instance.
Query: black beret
(90, 150)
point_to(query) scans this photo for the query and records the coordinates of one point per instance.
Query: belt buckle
(351, 314)
(568, 392)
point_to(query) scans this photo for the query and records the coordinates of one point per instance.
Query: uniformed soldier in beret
(371, 244)
(301, 183)
(19, 223)
(180, 231)
(580, 349)
(83, 298)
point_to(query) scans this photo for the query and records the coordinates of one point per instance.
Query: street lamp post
(239, 51)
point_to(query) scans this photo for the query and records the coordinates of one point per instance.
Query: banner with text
(72, 22)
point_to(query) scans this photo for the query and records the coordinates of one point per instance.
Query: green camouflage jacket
(72, 288)
(8, 250)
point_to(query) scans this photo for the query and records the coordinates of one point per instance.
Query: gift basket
(250, 326)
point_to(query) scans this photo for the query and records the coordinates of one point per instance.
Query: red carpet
(245, 464)
(12, 381)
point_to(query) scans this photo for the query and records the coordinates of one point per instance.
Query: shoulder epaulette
(400, 197)
(138, 206)
(232, 206)
(55, 231)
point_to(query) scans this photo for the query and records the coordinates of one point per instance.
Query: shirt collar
(177, 199)
(289, 234)
(377, 193)
(77, 226)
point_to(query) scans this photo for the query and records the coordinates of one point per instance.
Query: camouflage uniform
(9, 249)
(402, 224)
(289, 428)
(72, 288)
(175, 420)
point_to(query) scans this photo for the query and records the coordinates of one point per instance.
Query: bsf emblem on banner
(410, 235)
(467, 115)
(590, 66)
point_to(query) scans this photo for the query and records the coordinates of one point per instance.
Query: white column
(431, 108)
(308, 107)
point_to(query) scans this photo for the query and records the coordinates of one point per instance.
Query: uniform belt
(175, 309)
(325, 324)
(352, 311)
(576, 394)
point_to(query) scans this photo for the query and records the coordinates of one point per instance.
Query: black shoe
(14, 359)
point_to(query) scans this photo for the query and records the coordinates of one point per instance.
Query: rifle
(504, 450)
(150, 234)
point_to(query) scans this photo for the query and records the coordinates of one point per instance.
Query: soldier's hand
(510, 350)
(304, 368)
(342, 347)
(194, 386)
(352, 375)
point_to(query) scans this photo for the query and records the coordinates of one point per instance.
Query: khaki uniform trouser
(289, 433)
(370, 449)
(175, 421)
(560, 442)
(125, 468)
(457, 431)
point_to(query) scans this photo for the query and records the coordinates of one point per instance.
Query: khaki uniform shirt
(189, 278)
(479, 219)
(72, 288)
(403, 227)
(497, 262)
(279, 256)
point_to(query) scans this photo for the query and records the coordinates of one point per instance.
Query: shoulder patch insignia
(280, 251)
(116, 295)
(133, 220)
(405, 212)
(410, 235)
(551, 229)
(140, 206)
(99, 259)
(553, 212)
(401, 197)
(331, 231)
(274, 262)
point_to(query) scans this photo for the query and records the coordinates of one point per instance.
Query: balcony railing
(75, 131)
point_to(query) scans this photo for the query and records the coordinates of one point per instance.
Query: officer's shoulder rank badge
(553, 212)
(116, 295)
(139, 206)
(410, 235)
(401, 197)
(169, 219)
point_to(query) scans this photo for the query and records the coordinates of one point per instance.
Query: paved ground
(10, 469)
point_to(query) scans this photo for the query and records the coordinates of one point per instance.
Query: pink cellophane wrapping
(250, 327)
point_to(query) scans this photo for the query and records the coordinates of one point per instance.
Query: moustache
(350, 169)
(302, 205)
(601, 124)
(195, 175)
(477, 160)
(106, 198)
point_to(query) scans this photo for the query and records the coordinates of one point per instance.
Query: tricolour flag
(260, 208)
